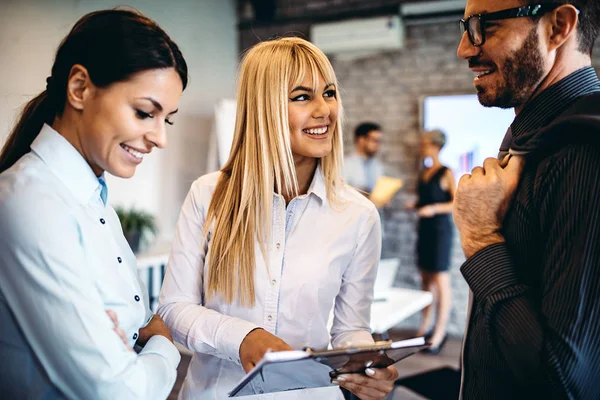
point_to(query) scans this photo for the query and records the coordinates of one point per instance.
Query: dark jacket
(534, 329)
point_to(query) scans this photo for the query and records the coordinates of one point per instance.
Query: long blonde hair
(261, 162)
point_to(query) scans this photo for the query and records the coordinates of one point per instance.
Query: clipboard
(297, 369)
(384, 190)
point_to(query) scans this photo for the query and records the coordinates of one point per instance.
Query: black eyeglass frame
(517, 12)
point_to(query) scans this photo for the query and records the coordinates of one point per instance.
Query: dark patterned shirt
(534, 327)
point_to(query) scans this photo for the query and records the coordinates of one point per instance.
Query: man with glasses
(363, 168)
(530, 224)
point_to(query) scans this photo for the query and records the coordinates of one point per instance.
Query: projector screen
(473, 132)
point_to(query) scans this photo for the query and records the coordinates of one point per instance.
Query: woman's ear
(79, 86)
(562, 26)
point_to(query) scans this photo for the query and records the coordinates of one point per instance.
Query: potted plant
(136, 224)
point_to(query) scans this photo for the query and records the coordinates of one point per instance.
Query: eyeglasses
(475, 25)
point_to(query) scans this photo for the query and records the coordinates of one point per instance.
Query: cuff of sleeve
(163, 347)
(489, 270)
(353, 339)
(231, 337)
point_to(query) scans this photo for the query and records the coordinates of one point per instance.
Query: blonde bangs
(261, 161)
(307, 60)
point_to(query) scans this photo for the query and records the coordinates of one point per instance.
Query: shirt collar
(67, 164)
(545, 107)
(317, 186)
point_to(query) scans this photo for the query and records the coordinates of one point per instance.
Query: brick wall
(388, 88)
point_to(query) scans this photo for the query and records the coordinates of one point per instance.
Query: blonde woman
(264, 247)
(436, 194)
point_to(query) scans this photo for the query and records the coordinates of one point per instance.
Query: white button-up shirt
(318, 255)
(63, 263)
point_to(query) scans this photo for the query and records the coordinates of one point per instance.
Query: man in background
(362, 168)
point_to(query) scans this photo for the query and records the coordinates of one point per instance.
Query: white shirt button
(274, 282)
(269, 318)
(278, 246)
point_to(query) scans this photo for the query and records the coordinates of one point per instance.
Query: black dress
(435, 233)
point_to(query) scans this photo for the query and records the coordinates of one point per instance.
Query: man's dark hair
(589, 21)
(363, 129)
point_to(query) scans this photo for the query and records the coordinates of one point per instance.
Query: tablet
(293, 370)
(379, 355)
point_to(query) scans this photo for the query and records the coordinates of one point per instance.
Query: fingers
(515, 165)
(464, 179)
(477, 171)
(256, 343)
(511, 175)
(113, 317)
(364, 387)
(491, 164)
(119, 331)
(377, 385)
(123, 337)
(491, 168)
(384, 374)
(121, 334)
(248, 366)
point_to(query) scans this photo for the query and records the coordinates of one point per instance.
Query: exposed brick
(388, 88)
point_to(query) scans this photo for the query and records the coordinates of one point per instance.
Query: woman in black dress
(434, 206)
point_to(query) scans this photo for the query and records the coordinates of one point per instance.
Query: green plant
(136, 224)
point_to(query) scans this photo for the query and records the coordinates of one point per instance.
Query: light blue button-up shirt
(63, 262)
(362, 173)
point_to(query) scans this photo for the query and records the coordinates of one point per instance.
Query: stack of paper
(384, 190)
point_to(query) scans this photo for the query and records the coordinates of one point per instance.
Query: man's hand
(156, 326)
(256, 344)
(482, 200)
(374, 385)
(118, 331)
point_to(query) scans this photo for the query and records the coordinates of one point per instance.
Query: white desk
(394, 305)
(391, 306)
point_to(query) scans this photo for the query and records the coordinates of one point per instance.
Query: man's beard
(370, 154)
(522, 73)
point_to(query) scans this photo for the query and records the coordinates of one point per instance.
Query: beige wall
(31, 30)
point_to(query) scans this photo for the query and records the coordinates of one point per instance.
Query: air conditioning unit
(432, 11)
(359, 36)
